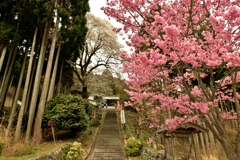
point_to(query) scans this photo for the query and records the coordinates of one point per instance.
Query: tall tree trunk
(54, 74)
(6, 70)
(31, 82)
(85, 91)
(32, 76)
(25, 91)
(220, 134)
(5, 83)
(37, 82)
(30, 88)
(14, 105)
(37, 134)
(3, 56)
(229, 150)
(60, 79)
(236, 101)
(1, 48)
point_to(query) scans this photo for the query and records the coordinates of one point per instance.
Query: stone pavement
(109, 143)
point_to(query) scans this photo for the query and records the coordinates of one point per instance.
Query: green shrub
(68, 99)
(99, 116)
(95, 122)
(88, 107)
(68, 112)
(133, 147)
(73, 152)
(65, 151)
(2, 144)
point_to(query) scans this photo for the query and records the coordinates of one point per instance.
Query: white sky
(95, 6)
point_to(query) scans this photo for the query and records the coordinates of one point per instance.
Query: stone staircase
(109, 144)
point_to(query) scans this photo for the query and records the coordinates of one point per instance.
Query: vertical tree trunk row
(37, 134)
(25, 91)
(38, 75)
(54, 74)
(7, 75)
(14, 105)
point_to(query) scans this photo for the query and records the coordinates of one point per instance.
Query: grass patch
(21, 151)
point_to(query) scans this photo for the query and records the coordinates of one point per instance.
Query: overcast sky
(95, 6)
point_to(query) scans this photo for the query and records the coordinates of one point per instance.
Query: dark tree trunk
(85, 93)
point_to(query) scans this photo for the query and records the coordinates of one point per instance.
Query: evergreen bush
(95, 122)
(99, 116)
(133, 147)
(68, 112)
(73, 152)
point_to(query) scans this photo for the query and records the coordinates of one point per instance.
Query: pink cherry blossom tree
(186, 60)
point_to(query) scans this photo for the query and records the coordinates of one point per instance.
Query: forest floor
(22, 152)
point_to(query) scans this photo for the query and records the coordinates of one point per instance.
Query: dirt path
(108, 144)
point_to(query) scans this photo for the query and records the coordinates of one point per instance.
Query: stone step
(109, 144)
(103, 150)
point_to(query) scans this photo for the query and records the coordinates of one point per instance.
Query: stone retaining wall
(153, 154)
(50, 156)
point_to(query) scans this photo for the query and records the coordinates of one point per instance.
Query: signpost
(51, 124)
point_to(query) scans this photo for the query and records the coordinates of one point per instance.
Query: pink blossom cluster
(150, 140)
(183, 55)
(175, 122)
(229, 116)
